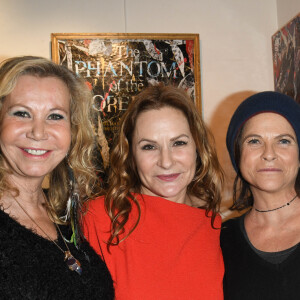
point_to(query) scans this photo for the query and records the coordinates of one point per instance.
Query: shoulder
(95, 209)
(231, 223)
(230, 231)
(8, 227)
(95, 216)
(230, 227)
(218, 221)
(95, 204)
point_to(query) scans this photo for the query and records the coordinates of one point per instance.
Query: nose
(37, 130)
(269, 153)
(166, 158)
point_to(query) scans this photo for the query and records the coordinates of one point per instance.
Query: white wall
(235, 40)
(286, 10)
(26, 25)
(234, 34)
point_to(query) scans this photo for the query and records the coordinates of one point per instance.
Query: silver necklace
(288, 203)
(72, 262)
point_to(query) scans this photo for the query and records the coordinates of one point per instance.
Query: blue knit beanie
(261, 103)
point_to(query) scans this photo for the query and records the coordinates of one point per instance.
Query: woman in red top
(157, 228)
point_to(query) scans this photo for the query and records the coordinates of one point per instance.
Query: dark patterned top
(32, 267)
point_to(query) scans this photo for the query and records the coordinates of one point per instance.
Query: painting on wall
(286, 59)
(117, 66)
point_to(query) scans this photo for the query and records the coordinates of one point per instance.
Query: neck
(27, 187)
(274, 207)
(182, 197)
(30, 194)
(271, 200)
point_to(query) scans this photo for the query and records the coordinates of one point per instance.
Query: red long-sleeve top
(173, 254)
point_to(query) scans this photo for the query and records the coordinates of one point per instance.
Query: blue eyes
(255, 141)
(284, 141)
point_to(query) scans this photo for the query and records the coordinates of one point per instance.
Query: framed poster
(117, 66)
(286, 59)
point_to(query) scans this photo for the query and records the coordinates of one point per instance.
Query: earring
(73, 207)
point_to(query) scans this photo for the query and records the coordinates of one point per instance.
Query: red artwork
(286, 59)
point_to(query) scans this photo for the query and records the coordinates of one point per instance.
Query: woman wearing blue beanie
(261, 248)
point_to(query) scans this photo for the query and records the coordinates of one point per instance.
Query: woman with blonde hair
(45, 130)
(158, 227)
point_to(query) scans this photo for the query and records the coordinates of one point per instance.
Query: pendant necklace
(288, 203)
(72, 263)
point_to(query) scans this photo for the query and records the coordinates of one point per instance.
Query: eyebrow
(250, 135)
(60, 108)
(172, 139)
(179, 136)
(288, 135)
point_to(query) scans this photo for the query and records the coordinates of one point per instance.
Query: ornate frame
(117, 66)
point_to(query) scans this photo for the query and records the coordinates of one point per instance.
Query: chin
(169, 195)
(35, 173)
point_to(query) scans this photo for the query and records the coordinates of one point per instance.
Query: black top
(32, 267)
(272, 257)
(248, 276)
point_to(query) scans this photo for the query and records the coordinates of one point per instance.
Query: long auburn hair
(124, 179)
(82, 148)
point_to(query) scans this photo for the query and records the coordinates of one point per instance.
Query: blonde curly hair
(80, 156)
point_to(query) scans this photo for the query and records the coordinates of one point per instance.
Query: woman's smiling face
(165, 153)
(35, 130)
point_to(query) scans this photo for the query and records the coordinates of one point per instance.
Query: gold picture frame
(117, 66)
